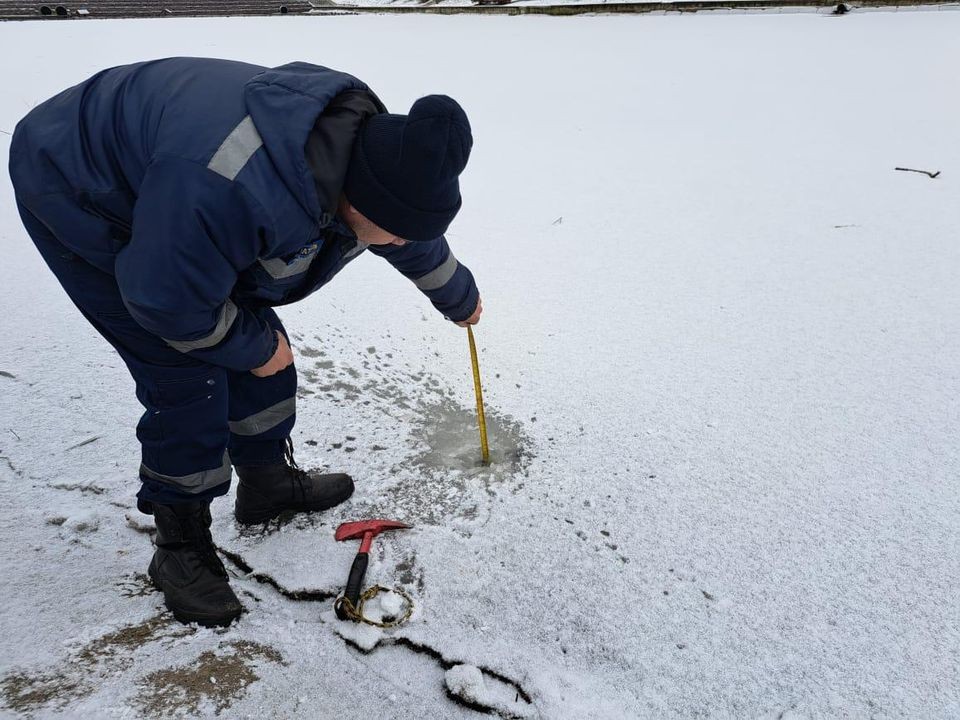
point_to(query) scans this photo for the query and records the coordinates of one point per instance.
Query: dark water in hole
(447, 480)
(452, 435)
(444, 478)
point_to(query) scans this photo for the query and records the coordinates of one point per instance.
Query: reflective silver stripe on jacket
(279, 269)
(236, 150)
(228, 313)
(195, 482)
(438, 277)
(358, 248)
(265, 419)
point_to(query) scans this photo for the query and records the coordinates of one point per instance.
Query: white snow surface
(466, 681)
(720, 355)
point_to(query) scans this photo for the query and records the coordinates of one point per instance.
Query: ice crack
(520, 706)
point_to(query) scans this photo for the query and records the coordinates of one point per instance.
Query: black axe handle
(352, 593)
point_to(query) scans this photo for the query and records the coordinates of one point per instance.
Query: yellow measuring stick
(484, 448)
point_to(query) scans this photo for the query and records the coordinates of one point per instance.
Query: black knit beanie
(403, 169)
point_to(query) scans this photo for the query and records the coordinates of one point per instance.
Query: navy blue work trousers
(199, 419)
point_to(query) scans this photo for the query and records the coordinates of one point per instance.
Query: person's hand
(475, 318)
(281, 359)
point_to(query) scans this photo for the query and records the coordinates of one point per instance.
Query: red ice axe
(368, 530)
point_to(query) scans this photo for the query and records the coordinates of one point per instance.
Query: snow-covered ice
(466, 682)
(719, 352)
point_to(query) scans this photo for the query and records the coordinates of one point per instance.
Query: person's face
(366, 230)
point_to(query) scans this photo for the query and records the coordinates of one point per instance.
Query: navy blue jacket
(187, 179)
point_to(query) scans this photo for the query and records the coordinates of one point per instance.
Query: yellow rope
(484, 448)
(356, 613)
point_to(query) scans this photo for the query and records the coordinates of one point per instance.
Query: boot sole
(187, 616)
(257, 518)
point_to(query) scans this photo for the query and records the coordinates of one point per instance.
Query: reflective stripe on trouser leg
(262, 410)
(183, 431)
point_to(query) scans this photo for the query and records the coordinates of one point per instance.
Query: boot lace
(209, 557)
(299, 478)
(202, 543)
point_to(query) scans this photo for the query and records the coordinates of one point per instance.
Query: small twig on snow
(14, 433)
(81, 444)
(929, 174)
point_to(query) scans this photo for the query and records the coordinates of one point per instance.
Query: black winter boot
(265, 491)
(187, 569)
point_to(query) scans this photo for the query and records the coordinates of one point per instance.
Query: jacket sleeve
(193, 232)
(433, 268)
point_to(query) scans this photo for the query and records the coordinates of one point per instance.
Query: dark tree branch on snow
(81, 444)
(925, 172)
(10, 464)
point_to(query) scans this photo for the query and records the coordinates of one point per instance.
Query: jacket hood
(284, 103)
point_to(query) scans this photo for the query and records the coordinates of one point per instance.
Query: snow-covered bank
(720, 351)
